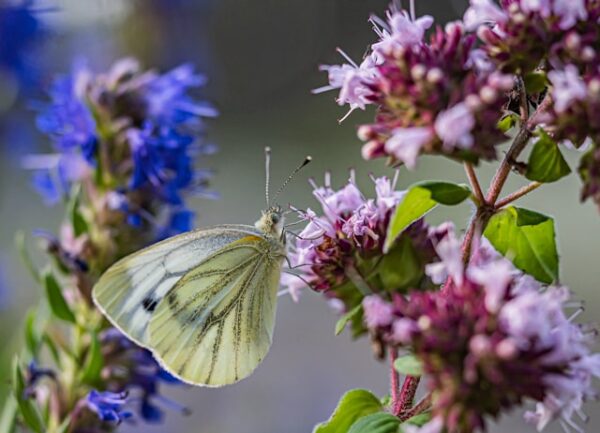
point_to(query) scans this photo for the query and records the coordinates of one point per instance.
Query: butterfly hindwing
(130, 291)
(216, 324)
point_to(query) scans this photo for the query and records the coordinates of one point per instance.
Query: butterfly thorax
(271, 222)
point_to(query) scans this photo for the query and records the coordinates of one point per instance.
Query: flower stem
(474, 181)
(395, 382)
(358, 280)
(517, 194)
(420, 407)
(407, 394)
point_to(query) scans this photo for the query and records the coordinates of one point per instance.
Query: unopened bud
(417, 72)
(488, 94)
(435, 75)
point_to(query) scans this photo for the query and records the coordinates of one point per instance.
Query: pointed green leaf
(527, 238)
(8, 416)
(546, 162)
(352, 406)
(508, 122)
(418, 201)
(535, 82)
(376, 423)
(409, 365)
(32, 336)
(93, 362)
(341, 323)
(401, 267)
(25, 257)
(27, 409)
(56, 300)
(78, 222)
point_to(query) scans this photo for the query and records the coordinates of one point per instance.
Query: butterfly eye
(275, 218)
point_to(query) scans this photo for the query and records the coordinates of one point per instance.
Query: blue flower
(20, 29)
(68, 120)
(34, 375)
(109, 406)
(134, 133)
(147, 376)
(168, 102)
(161, 161)
(139, 374)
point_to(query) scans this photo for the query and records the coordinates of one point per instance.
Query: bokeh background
(262, 58)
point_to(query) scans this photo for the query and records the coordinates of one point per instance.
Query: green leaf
(352, 406)
(78, 222)
(54, 352)
(376, 423)
(27, 409)
(546, 162)
(420, 419)
(535, 82)
(418, 201)
(343, 321)
(93, 362)
(8, 416)
(409, 365)
(25, 257)
(401, 267)
(56, 300)
(32, 336)
(508, 122)
(527, 238)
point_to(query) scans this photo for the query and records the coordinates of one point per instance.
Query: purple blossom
(454, 126)
(350, 224)
(483, 12)
(377, 311)
(109, 406)
(567, 87)
(405, 144)
(514, 336)
(352, 80)
(570, 11)
(401, 30)
(445, 85)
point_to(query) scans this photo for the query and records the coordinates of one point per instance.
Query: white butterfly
(203, 302)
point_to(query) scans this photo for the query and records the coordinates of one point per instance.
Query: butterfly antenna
(267, 173)
(306, 161)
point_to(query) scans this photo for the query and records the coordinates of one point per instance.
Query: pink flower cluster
(520, 35)
(430, 95)
(491, 328)
(348, 235)
(561, 40)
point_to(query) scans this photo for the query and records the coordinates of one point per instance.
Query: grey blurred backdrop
(262, 59)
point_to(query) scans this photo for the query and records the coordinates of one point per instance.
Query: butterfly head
(271, 221)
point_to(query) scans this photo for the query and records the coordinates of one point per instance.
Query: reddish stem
(418, 408)
(407, 394)
(395, 380)
(517, 194)
(474, 181)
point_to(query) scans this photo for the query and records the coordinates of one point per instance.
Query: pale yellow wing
(130, 290)
(216, 325)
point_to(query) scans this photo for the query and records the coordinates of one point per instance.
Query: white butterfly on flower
(202, 302)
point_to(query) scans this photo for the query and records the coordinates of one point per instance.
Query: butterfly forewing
(216, 324)
(131, 290)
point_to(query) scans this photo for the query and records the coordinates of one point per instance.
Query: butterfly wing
(129, 291)
(216, 325)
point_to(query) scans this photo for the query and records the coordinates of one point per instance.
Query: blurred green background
(262, 59)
